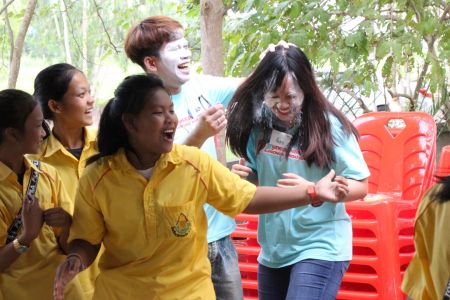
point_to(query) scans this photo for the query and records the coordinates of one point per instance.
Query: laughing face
(286, 101)
(77, 103)
(155, 125)
(173, 64)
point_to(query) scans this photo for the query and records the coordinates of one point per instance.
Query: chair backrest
(399, 148)
(443, 168)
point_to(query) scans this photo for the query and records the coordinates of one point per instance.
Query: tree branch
(104, 27)
(6, 6)
(9, 30)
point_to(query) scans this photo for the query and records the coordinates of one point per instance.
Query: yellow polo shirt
(31, 275)
(154, 231)
(70, 170)
(429, 271)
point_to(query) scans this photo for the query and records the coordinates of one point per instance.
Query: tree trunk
(84, 30)
(18, 44)
(211, 20)
(66, 32)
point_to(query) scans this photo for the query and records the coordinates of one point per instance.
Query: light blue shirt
(307, 232)
(188, 108)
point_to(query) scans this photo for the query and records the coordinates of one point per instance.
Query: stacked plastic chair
(245, 240)
(443, 168)
(401, 160)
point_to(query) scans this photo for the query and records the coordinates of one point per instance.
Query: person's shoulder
(95, 170)
(191, 155)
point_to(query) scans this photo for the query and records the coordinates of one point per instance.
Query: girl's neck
(71, 138)
(141, 161)
(13, 159)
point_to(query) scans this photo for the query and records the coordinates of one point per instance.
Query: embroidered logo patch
(182, 227)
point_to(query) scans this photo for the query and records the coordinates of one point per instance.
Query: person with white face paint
(284, 127)
(158, 45)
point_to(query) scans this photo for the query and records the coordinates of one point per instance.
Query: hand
(57, 217)
(271, 48)
(342, 189)
(32, 218)
(241, 169)
(292, 180)
(211, 122)
(66, 271)
(329, 190)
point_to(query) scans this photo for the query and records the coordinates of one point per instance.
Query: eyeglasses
(204, 103)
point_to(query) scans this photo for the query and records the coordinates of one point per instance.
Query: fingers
(240, 170)
(291, 175)
(242, 161)
(330, 174)
(215, 117)
(57, 217)
(271, 47)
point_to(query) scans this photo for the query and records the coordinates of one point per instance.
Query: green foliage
(352, 39)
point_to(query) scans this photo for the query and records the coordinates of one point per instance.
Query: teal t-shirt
(307, 232)
(197, 95)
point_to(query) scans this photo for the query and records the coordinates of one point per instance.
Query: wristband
(82, 266)
(315, 201)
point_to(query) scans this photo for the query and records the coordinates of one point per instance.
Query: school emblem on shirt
(182, 227)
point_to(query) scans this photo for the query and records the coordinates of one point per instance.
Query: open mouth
(89, 111)
(184, 67)
(169, 134)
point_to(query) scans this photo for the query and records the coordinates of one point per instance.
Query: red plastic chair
(444, 162)
(401, 161)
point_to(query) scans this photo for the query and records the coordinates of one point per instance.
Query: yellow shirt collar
(53, 145)
(5, 171)
(120, 161)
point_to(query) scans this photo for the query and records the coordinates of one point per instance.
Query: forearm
(7, 256)
(195, 140)
(85, 250)
(62, 240)
(272, 199)
(357, 190)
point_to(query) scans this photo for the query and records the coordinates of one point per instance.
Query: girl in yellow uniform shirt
(65, 97)
(34, 226)
(143, 197)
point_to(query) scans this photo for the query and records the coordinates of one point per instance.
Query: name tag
(280, 139)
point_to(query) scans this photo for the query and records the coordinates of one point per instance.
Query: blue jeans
(309, 279)
(225, 273)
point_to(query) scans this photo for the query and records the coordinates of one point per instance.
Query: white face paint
(173, 64)
(286, 102)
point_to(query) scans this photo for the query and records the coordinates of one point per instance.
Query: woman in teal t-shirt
(286, 129)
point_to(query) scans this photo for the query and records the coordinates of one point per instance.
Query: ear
(11, 134)
(128, 122)
(150, 64)
(54, 106)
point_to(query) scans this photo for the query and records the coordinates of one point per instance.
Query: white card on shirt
(280, 139)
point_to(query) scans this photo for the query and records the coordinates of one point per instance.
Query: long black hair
(313, 135)
(129, 98)
(15, 107)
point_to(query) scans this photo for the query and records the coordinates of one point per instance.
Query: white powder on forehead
(176, 35)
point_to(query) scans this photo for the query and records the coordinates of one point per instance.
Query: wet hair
(147, 38)
(52, 83)
(443, 194)
(130, 97)
(246, 110)
(15, 106)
